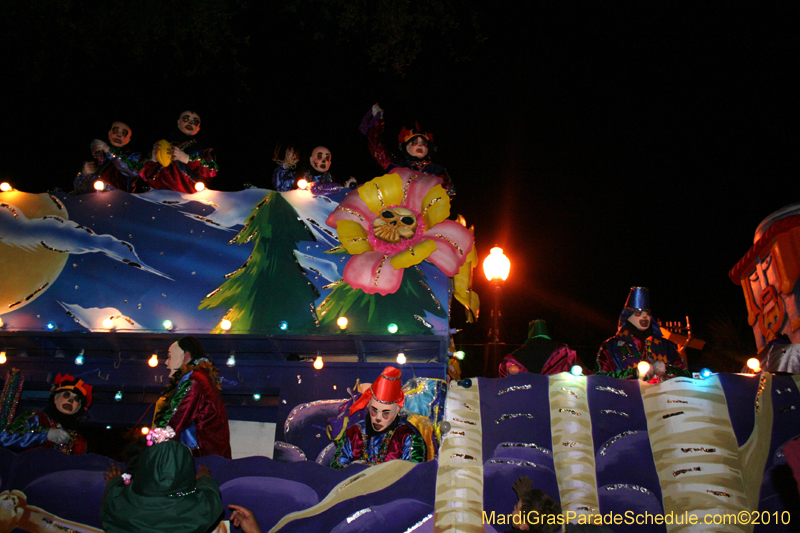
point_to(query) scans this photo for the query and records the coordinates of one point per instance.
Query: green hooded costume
(163, 495)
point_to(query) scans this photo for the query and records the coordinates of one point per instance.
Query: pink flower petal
(453, 243)
(372, 272)
(352, 208)
(419, 187)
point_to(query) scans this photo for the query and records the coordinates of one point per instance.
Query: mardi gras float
(96, 286)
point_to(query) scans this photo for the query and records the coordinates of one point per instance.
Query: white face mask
(67, 402)
(641, 320)
(175, 358)
(381, 415)
(119, 135)
(189, 123)
(320, 159)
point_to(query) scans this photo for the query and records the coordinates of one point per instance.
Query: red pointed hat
(386, 389)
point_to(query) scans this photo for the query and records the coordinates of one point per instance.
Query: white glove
(376, 109)
(57, 436)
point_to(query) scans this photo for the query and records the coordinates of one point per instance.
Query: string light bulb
(1, 323)
(99, 185)
(3, 358)
(459, 355)
(576, 370)
(342, 322)
(283, 325)
(5, 186)
(108, 323)
(145, 430)
(225, 325)
(153, 361)
(392, 328)
(302, 183)
(199, 186)
(52, 326)
(754, 365)
(256, 396)
(401, 358)
(79, 359)
(118, 396)
(644, 368)
(318, 363)
(231, 359)
(167, 325)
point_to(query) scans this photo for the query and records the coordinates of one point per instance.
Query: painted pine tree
(270, 287)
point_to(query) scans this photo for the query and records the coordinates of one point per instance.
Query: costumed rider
(56, 426)
(539, 355)
(163, 494)
(115, 165)
(638, 339)
(386, 433)
(192, 403)
(287, 177)
(415, 147)
(182, 164)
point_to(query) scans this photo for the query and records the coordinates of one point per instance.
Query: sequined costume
(178, 176)
(29, 430)
(118, 169)
(372, 127)
(285, 179)
(629, 346)
(400, 440)
(192, 405)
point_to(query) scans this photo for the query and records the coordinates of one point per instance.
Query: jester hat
(67, 382)
(387, 389)
(638, 300)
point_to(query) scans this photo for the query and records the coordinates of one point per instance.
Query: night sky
(600, 146)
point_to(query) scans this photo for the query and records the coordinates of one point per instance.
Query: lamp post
(496, 267)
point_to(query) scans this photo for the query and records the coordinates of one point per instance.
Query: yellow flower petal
(416, 255)
(353, 237)
(382, 192)
(435, 206)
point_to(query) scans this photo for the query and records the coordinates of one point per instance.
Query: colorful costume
(178, 176)
(285, 179)
(372, 127)
(631, 345)
(118, 169)
(192, 405)
(539, 355)
(381, 437)
(29, 430)
(163, 495)
(360, 442)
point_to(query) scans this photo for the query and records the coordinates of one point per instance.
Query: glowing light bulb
(108, 323)
(283, 325)
(145, 430)
(226, 324)
(401, 358)
(754, 364)
(153, 361)
(459, 355)
(256, 396)
(705, 373)
(231, 360)
(5, 186)
(118, 396)
(3, 358)
(51, 326)
(644, 368)
(318, 363)
(1, 323)
(199, 186)
(108, 427)
(79, 359)
(342, 322)
(576, 370)
(392, 328)
(302, 183)
(168, 325)
(99, 185)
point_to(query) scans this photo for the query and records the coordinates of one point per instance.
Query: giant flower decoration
(394, 222)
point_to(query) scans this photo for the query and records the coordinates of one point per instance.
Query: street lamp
(496, 267)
